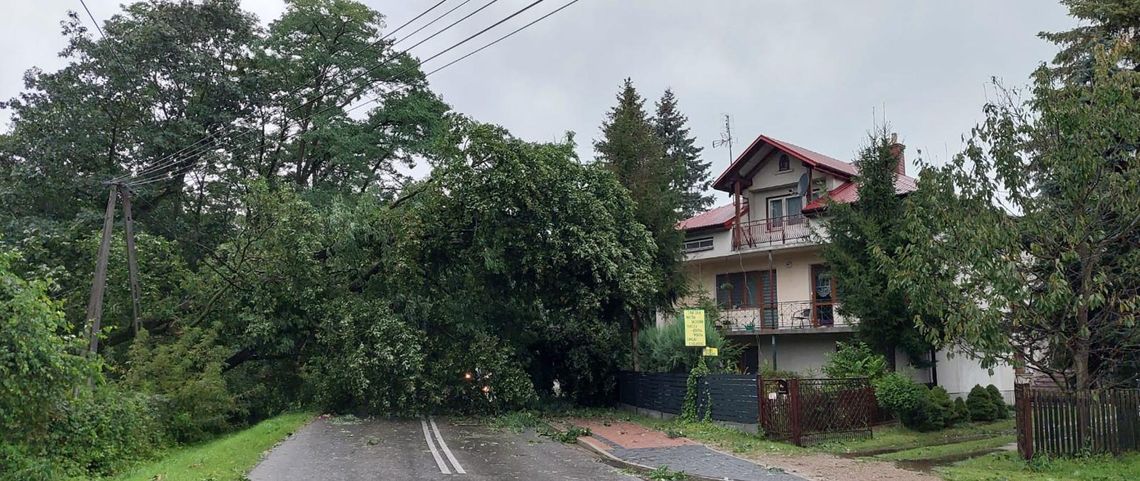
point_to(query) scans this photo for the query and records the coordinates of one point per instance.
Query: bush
(663, 349)
(943, 405)
(981, 405)
(106, 431)
(1000, 408)
(184, 380)
(855, 360)
(958, 413)
(911, 402)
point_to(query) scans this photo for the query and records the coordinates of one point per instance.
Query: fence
(806, 410)
(1059, 423)
(796, 410)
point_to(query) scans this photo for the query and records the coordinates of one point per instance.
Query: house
(760, 258)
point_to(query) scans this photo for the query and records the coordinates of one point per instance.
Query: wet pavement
(636, 444)
(416, 450)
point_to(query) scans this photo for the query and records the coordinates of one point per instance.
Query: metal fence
(807, 410)
(1058, 423)
(796, 410)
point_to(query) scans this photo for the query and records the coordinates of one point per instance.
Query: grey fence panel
(733, 395)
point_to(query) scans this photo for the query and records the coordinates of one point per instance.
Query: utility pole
(121, 192)
(726, 138)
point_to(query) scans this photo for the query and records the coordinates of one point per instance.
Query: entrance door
(822, 296)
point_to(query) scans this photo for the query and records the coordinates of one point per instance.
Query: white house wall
(960, 373)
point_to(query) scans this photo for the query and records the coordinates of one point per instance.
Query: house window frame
(783, 163)
(699, 247)
(766, 286)
(784, 219)
(816, 303)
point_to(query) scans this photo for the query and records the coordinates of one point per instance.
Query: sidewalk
(632, 443)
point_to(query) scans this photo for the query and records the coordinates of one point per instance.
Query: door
(822, 296)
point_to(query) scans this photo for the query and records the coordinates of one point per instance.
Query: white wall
(959, 372)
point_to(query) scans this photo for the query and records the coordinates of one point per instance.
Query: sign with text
(711, 351)
(695, 327)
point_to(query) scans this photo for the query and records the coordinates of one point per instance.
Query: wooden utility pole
(99, 283)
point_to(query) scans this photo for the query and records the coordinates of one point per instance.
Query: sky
(820, 74)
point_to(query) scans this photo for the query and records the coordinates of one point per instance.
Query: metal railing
(783, 315)
(789, 229)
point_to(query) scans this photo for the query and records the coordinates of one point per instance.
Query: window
(784, 164)
(697, 245)
(784, 210)
(750, 289)
(823, 296)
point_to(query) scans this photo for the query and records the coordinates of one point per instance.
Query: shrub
(663, 349)
(1000, 408)
(184, 380)
(106, 431)
(855, 360)
(981, 405)
(958, 413)
(911, 402)
(943, 405)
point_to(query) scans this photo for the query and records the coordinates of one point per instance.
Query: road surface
(427, 449)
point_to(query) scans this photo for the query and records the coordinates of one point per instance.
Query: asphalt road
(400, 450)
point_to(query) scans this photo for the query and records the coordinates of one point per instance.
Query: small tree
(855, 359)
(1000, 408)
(981, 405)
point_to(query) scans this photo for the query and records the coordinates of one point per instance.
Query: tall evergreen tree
(631, 150)
(859, 235)
(1105, 25)
(691, 179)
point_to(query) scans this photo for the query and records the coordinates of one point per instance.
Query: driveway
(427, 449)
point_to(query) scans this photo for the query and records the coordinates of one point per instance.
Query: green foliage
(499, 381)
(981, 405)
(959, 413)
(1026, 241)
(862, 239)
(943, 406)
(663, 473)
(999, 402)
(912, 402)
(855, 359)
(367, 359)
(662, 349)
(689, 408)
(105, 431)
(569, 435)
(680, 149)
(184, 379)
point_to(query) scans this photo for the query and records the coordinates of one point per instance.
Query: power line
(161, 177)
(92, 17)
(418, 30)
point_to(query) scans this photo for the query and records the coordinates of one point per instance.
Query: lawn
(228, 458)
(725, 439)
(1009, 467)
(898, 438)
(943, 451)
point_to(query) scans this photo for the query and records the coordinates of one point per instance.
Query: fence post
(1022, 404)
(794, 408)
(761, 401)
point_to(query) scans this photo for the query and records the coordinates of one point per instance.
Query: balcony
(793, 316)
(772, 232)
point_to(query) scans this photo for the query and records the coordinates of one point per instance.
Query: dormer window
(784, 164)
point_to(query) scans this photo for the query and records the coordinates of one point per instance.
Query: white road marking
(431, 445)
(446, 450)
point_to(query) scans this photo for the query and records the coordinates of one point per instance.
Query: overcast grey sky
(815, 73)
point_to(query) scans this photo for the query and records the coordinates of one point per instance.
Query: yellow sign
(695, 327)
(710, 351)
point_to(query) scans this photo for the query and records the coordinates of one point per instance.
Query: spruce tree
(631, 150)
(691, 178)
(860, 236)
(1105, 25)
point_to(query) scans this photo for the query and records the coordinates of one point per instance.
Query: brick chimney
(897, 152)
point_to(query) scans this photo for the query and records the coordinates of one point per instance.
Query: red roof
(807, 156)
(720, 217)
(848, 192)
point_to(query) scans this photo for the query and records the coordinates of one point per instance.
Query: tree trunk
(1080, 349)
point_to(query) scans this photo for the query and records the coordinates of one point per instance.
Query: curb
(609, 458)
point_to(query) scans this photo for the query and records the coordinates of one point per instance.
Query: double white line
(435, 452)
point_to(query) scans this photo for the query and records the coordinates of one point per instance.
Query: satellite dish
(804, 185)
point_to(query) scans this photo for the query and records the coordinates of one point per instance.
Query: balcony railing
(788, 229)
(793, 315)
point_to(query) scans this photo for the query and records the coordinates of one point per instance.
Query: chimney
(897, 152)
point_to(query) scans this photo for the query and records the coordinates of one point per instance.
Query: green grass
(899, 438)
(228, 458)
(1008, 467)
(725, 439)
(940, 451)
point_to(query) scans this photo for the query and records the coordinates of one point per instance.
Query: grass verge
(227, 458)
(898, 438)
(941, 451)
(1009, 467)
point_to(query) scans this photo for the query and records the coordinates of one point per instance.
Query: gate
(799, 410)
